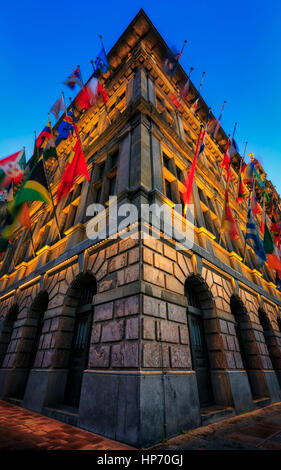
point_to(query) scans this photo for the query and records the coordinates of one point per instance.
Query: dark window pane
(168, 189)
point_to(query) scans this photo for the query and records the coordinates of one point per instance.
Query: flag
(195, 103)
(101, 62)
(233, 147)
(58, 106)
(185, 89)
(212, 125)
(174, 99)
(241, 188)
(76, 166)
(228, 224)
(252, 233)
(218, 122)
(50, 149)
(19, 216)
(273, 257)
(248, 173)
(65, 128)
(263, 215)
(202, 146)
(170, 62)
(88, 96)
(35, 187)
(44, 136)
(12, 167)
(74, 78)
(226, 159)
(190, 176)
(254, 203)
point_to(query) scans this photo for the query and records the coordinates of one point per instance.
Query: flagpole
(78, 137)
(49, 189)
(241, 163)
(249, 205)
(78, 66)
(219, 120)
(234, 130)
(226, 149)
(58, 156)
(184, 44)
(105, 107)
(200, 86)
(100, 36)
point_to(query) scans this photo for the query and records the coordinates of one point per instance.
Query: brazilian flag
(35, 187)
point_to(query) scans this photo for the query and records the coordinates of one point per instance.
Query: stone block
(153, 243)
(153, 276)
(147, 255)
(113, 331)
(180, 357)
(128, 243)
(151, 355)
(148, 328)
(99, 356)
(102, 271)
(170, 252)
(132, 328)
(177, 313)
(112, 250)
(163, 263)
(128, 275)
(96, 331)
(154, 307)
(103, 312)
(127, 306)
(184, 336)
(125, 355)
(169, 332)
(134, 255)
(174, 285)
(223, 326)
(118, 262)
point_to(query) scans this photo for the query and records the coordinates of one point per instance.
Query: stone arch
(7, 330)
(200, 311)
(272, 342)
(195, 283)
(73, 339)
(254, 353)
(32, 333)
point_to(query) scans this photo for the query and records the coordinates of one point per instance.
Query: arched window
(198, 345)
(85, 286)
(6, 330)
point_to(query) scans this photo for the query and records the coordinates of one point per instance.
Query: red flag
(88, 96)
(76, 166)
(174, 99)
(228, 222)
(226, 159)
(190, 176)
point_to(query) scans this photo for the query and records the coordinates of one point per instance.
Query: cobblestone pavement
(257, 430)
(21, 429)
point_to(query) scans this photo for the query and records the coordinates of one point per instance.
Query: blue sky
(237, 43)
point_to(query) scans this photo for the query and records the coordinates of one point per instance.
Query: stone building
(129, 336)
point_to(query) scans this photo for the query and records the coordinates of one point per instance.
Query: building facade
(130, 336)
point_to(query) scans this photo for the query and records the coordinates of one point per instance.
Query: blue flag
(252, 233)
(65, 128)
(101, 62)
